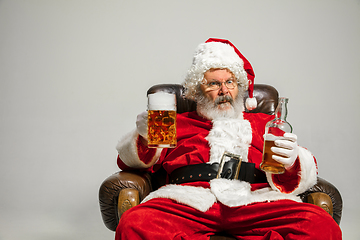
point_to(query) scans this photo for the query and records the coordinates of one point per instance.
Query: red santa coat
(204, 141)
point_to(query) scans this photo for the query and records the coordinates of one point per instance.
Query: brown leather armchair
(126, 189)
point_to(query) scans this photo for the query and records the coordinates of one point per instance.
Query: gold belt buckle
(225, 156)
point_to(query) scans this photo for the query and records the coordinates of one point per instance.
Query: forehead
(218, 74)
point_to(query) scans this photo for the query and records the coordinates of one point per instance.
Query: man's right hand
(141, 124)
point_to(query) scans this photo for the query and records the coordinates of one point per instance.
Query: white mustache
(225, 98)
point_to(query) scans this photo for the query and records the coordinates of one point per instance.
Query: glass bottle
(274, 130)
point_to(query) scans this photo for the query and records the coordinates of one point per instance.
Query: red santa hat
(220, 53)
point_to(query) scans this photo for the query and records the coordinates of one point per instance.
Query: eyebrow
(231, 78)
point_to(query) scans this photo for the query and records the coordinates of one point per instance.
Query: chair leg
(128, 198)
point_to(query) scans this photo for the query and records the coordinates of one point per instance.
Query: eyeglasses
(215, 85)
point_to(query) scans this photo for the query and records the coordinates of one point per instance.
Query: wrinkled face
(227, 88)
(219, 95)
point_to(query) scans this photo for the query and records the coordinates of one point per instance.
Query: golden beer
(161, 129)
(268, 164)
(275, 129)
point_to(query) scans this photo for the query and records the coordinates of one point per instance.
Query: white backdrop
(74, 75)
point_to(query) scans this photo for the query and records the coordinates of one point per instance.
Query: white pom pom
(251, 103)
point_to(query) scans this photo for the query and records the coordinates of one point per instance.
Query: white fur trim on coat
(128, 153)
(308, 172)
(232, 135)
(197, 197)
(234, 193)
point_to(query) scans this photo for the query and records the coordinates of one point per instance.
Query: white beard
(208, 109)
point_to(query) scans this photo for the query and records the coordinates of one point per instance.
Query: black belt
(207, 172)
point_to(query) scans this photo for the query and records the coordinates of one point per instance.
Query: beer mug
(162, 120)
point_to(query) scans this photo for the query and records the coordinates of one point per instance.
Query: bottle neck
(281, 110)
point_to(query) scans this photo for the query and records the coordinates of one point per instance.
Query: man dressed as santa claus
(195, 204)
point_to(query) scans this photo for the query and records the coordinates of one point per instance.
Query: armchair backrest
(266, 96)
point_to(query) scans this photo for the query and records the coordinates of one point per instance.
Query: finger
(141, 125)
(142, 115)
(290, 136)
(282, 151)
(285, 161)
(142, 118)
(285, 144)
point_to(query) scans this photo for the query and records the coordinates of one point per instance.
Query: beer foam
(162, 101)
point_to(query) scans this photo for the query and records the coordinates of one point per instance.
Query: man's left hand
(286, 150)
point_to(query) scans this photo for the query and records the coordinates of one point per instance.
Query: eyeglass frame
(219, 84)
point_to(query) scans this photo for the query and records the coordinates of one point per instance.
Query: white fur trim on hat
(251, 103)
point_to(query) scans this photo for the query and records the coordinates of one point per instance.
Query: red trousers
(284, 219)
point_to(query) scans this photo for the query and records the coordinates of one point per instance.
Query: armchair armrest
(132, 187)
(124, 189)
(326, 196)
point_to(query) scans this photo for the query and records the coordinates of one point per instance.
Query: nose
(223, 90)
